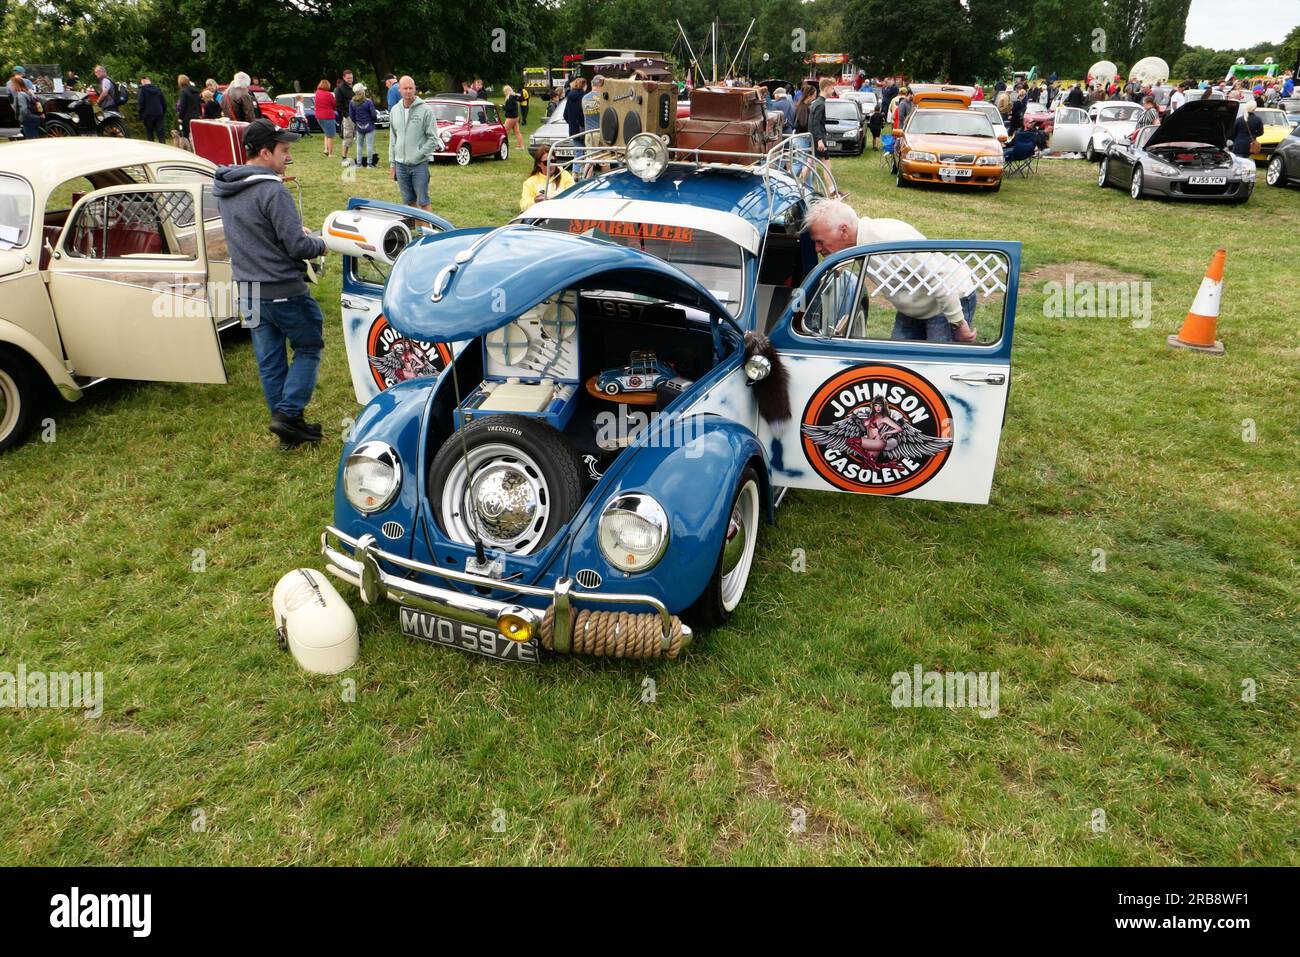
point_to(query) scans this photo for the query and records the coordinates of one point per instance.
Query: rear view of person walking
(152, 108)
(189, 105)
(362, 113)
(326, 117)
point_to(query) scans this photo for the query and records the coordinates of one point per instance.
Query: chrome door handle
(987, 378)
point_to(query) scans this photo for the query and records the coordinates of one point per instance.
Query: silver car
(555, 128)
(1184, 157)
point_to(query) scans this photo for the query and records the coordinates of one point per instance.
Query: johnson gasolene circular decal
(879, 429)
(394, 358)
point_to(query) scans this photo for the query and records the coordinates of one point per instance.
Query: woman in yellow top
(536, 188)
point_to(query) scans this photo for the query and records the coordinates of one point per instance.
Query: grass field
(1125, 692)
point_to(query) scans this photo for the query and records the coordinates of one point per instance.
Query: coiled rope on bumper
(616, 634)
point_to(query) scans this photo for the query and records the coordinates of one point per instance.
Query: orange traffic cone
(1198, 328)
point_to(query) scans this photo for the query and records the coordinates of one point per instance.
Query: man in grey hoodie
(268, 245)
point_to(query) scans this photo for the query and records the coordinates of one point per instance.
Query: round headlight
(646, 156)
(371, 476)
(633, 532)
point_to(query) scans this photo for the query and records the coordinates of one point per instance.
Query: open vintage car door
(878, 416)
(378, 355)
(129, 285)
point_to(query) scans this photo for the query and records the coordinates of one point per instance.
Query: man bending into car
(268, 247)
(941, 316)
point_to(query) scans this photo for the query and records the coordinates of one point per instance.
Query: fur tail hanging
(773, 391)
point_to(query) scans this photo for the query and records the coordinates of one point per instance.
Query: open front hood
(463, 284)
(1200, 121)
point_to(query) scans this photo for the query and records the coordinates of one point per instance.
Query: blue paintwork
(491, 290)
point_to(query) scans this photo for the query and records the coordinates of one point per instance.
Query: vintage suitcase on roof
(221, 141)
(724, 141)
(726, 103)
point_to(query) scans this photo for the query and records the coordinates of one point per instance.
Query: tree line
(439, 43)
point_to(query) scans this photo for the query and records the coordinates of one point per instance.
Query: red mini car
(468, 128)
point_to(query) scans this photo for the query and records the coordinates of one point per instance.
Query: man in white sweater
(943, 315)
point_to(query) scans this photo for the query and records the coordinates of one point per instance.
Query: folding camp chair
(1021, 157)
(887, 151)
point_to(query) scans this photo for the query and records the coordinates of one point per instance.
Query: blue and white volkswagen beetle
(511, 508)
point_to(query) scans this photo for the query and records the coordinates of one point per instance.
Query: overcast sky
(1231, 26)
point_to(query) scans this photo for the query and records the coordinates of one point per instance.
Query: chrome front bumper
(356, 561)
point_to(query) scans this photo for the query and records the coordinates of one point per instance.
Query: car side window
(492, 115)
(181, 174)
(122, 225)
(480, 115)
(911, 296)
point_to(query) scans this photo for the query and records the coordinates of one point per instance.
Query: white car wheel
(504, 151)
(463, 155)
(612, 388)
(1091, 154)
(1103, 172)
(19, 398)
(738, 548)
(1135, 187)
(1275, 175)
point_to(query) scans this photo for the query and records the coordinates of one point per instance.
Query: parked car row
(65, 114)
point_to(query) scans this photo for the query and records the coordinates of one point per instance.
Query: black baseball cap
(262, 134)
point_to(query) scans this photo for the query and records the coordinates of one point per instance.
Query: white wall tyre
(612, 388)
(463, 155)
(1275, 175)
(523, 483)
(1135, 187)
(726, 586)
(19, 397)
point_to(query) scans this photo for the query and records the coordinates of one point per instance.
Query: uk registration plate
(953, 172)
(1207, 180)
(481, 641)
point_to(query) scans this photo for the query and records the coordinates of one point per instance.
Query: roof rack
(790, 157)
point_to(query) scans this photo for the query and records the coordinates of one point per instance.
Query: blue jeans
(31, 127)
(802, 145)
(287, 388)
(413, 181)
(934, 329)
(365, 144)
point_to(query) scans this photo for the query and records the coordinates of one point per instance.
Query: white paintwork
(137, 317)
(977, 410)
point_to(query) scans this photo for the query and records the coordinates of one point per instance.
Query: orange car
(947, 142)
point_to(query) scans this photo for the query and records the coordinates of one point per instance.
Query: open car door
(129, 285)
(378, 355)
(877, 415)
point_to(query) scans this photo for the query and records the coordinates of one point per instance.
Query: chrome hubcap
(1136, 189)
(1101, 174)
(506, 504)
(505, 501)
(733, 549)
(1274, 171)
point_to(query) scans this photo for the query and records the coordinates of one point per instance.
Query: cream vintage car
(103, 273)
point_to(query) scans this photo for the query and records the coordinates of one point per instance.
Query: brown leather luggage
(727, 141)
(726, 103)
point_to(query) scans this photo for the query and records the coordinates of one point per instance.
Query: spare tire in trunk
(522, 484)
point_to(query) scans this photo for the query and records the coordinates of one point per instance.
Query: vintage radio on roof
(629, 107)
